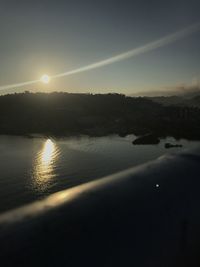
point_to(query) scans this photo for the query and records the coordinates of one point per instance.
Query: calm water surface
(32, 168)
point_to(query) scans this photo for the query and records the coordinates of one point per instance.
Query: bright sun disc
(45, 78)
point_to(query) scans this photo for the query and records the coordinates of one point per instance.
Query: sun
(45, 78)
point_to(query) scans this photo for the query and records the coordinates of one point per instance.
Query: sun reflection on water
(47, 154)
(44, 167)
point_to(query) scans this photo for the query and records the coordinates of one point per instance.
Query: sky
(56, 36)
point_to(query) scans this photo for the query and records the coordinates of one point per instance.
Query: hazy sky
(53, 36)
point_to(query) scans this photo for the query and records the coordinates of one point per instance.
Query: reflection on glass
(44, 165)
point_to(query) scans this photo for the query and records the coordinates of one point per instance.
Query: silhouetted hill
(62, 114)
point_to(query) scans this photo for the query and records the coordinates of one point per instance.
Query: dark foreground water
(31, 168)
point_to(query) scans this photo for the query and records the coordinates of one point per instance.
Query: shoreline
(82, 135)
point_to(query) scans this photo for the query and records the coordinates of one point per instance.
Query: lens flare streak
(129, 54)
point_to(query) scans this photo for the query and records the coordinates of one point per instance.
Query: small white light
(157, 185)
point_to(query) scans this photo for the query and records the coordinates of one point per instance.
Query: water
(32, 168)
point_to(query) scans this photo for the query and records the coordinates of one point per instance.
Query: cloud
(186, 90)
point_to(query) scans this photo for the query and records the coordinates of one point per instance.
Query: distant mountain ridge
(178, 100)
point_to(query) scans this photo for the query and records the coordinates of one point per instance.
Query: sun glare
(45, 78)
(46, 158)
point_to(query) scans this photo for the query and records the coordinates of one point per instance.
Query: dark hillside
(63, 114)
